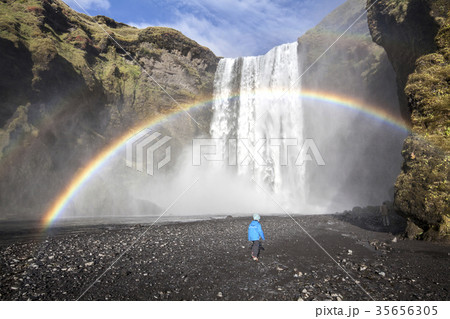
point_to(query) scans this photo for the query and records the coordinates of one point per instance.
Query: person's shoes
(255, 258)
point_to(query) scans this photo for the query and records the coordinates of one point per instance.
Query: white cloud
(88, 4)
(140, 25)
(232, 28)
(235, 28)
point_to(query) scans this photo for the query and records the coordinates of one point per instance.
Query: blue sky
(230, 28)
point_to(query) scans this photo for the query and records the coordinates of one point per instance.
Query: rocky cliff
(357, 68)
(416, 37)
(353, 65)
(67, 90)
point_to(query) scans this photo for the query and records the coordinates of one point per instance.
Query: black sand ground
(210, 260)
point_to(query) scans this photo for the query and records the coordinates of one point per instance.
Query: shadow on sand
(369, 218)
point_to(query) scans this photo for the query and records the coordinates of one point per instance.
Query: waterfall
(256, 103)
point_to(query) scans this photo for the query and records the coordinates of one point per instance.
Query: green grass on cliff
(85, 43)
(398, 9)
(428, 90)
(423, 188)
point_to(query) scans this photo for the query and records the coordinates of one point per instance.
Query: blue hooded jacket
(255, 231)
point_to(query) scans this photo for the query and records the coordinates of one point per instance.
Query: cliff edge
(416, 37)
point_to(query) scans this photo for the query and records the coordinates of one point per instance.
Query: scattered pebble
(175, 262)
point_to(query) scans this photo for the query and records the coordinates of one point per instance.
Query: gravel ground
(210, 260)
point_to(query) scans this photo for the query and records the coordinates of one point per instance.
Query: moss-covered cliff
(67, 90)
(416, 36)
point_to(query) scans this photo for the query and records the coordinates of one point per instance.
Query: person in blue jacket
(255, 233)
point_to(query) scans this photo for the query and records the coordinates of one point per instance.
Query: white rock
(394, 240)
(219, 294)
(300, 299)
(304, 291)
(89, 264)
(382, 273)
(349, 252)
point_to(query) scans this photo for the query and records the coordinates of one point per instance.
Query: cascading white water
(256, 105)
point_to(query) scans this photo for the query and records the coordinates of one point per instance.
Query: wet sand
(210, 260)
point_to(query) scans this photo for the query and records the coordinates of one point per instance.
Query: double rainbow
(84, 174)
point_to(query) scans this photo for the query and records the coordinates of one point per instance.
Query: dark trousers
(255, 248)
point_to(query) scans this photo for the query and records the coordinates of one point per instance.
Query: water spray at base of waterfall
(268, 151)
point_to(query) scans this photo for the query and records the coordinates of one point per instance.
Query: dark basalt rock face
(416, 36)
(67, 90)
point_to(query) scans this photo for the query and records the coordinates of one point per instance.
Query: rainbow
(83, 175)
